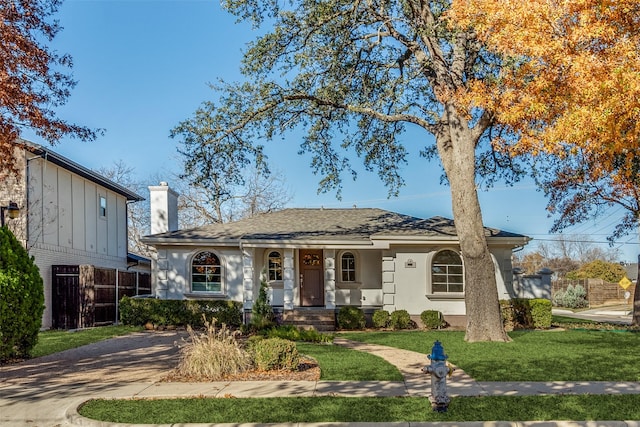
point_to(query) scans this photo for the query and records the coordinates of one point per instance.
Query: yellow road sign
(624, 283)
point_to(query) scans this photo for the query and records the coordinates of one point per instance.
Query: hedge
(158, 312)
(521, 313)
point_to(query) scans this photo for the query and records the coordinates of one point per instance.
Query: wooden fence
(599, 292)
(86, 296)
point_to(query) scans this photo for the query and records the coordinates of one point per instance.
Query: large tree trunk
(456, 146)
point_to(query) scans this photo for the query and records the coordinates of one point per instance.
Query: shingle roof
(357, 224)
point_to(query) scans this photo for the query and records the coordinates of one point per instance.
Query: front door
(311, 278)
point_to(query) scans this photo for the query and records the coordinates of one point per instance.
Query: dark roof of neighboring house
(74, 167)
(357, 224)
(137, 259)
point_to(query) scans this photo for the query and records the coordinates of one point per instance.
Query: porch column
(289, 279)
(388, 283)
(330, 278)
(247, 277)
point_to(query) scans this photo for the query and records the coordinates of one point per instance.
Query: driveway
(37, 392)
(141, 356)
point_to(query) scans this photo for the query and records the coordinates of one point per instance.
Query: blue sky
(142, 66)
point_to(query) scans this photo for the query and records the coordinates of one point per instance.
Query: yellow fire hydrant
(439, 370)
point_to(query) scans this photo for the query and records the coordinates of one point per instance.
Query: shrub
(522, 313)
(293, 333)
(572, 297)
(274, 353)
(558, 298)
(432, 319)
(262, 313)
(140, 311)
(541, 313)
(575, 297)
(400, 319)
(350, 317)
(380, 318)
(213, 354)
(21, 298)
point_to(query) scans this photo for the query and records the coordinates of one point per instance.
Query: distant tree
(607, 271)
(564, 254)
(258, 194)
(32, 81)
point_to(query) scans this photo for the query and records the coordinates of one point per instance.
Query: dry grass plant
(213, 354)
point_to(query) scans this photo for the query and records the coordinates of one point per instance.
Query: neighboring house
(73, 221)
(321, 259)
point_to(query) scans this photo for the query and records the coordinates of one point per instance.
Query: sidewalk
(53, 404)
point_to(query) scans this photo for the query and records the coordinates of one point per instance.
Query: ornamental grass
(213, 354)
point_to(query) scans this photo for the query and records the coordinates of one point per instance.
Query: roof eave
(78, 169)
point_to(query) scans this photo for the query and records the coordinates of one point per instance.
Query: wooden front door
(311, 278)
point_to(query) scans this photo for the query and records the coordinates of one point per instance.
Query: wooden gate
(66, 296)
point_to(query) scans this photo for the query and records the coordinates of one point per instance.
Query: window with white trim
(274, 266)
(348, 267)
(102, 208)
(447, 273)
(206, 273)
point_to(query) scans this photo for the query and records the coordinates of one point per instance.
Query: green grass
(341, 364)
(50, 342)
(572, 355)
(366, 409)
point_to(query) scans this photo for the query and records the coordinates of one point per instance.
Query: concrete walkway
(54, 403)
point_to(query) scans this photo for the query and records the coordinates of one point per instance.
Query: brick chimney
(164, 208)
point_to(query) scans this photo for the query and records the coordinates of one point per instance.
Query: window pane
(439, 287)
(456, 279)
(439, 278)
(456, 288)
(447, 257)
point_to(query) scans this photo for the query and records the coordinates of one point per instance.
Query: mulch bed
(308, 370)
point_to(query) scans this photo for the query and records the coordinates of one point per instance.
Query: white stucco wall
(172, 268)
(393, 279)
(407, 281)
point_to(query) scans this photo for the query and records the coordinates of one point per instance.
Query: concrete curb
(75, 419)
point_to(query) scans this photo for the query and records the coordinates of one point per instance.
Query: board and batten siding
(64, 211)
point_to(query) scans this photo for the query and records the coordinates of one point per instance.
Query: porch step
(320, 319)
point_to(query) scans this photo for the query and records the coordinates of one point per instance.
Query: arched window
(447, 274)
(348, 267)
(274, 266)
(206, 273)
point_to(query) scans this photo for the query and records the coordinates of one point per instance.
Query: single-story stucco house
(321, 259)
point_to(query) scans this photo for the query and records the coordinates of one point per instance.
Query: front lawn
(342, 364)
(54, 341)
(365, 409)
(572, 355)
